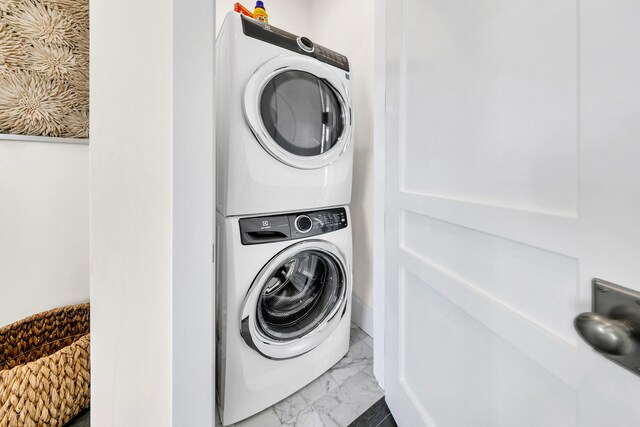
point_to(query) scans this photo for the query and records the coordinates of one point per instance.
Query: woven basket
(44, 368)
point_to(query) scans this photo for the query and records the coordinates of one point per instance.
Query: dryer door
(299, 109)
(296, 300)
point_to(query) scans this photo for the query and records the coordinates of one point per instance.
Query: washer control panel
(275, 228)
(302, 45)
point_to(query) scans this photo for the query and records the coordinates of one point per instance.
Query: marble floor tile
(356, 335)
(368, 341)
(266, 418)
(359, 356)
(324, 407)
(344, 404)
(369, 370)
(290, 407)
(318, 388)
(307, 418)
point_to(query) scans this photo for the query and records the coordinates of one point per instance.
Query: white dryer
(284, 305)
(284, 121)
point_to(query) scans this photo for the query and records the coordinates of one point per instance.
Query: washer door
(296, 300)
(299, 110)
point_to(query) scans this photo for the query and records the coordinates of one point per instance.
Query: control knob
(303, 224)
(306, 44)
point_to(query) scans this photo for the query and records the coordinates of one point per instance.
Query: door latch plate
(607, 299)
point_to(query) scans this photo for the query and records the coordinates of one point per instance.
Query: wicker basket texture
(44, 368)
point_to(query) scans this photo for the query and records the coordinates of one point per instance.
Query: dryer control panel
(275, 228)
(302, 45)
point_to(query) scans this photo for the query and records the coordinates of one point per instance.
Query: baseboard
(362, 315)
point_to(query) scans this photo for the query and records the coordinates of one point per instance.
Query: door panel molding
(544, 346)
(555, 233)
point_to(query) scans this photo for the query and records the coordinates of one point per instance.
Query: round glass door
(299, 294)
(299, 110)
(297, 300)
(302, 113)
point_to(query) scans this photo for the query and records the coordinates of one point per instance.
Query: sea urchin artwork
(44, 68)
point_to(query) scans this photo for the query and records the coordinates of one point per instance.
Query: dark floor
(378, 415)
(82, 420)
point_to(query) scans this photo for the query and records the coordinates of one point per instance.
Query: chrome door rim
(274, 349)
(253, 93)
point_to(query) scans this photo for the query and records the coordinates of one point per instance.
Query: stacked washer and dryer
(284, 165)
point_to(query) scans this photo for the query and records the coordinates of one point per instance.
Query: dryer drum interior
(302, 113)
(300, 294)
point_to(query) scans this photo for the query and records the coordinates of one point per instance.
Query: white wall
(346, 26)
(151, 187)
(131, 83)
(44, 227)
(193, 213)
(379, 70)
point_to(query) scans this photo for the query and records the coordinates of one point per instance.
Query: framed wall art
(44, 68)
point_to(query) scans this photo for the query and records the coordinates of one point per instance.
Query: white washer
(284, 305)
(284, 121)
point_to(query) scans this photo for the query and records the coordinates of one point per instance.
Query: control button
(306, 44)
(303, 224)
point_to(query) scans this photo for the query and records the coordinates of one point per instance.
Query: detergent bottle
(260, 13)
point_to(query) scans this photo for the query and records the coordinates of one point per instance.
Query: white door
(513, 175)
